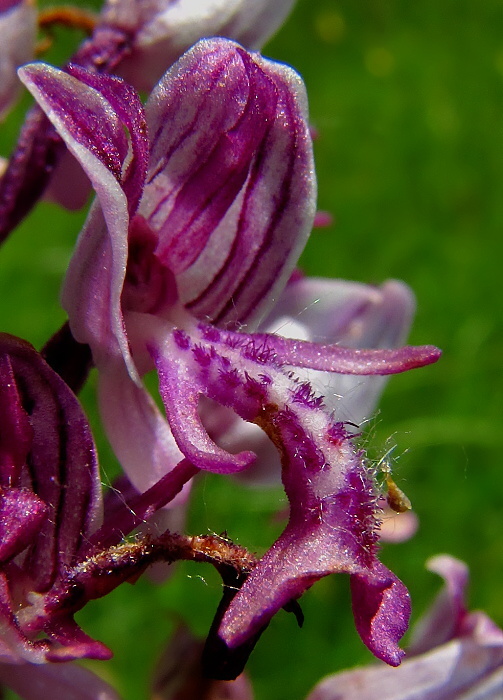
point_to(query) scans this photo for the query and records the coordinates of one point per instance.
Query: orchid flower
(139, 39)
(18, 27)
(45, 445)
(454, 654)
(194, 235)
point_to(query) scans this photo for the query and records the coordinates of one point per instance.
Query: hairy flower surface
(204, 205)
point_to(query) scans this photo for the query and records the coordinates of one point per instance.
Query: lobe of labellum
(18, 29)
(230, 188)
(61, 452)
(332, 358)
(180, 393)
(90, 117)
(332, 525)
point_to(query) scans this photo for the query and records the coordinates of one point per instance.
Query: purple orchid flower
(45, 445)
(18, 27)
(194, 235)
(454, 654)
(138, 39)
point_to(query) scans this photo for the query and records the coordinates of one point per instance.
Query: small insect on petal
(396, 498)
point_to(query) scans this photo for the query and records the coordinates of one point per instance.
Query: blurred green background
(407, 99)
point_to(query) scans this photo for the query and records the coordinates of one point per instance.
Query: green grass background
(408, 102)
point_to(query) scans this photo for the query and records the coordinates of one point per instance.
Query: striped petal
(230, 189)
(90, 116)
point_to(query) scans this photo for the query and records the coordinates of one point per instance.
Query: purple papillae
(201, 215)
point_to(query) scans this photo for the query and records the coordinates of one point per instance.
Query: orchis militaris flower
(18, 27)
(194, 235)
(134, 38)
(454, 654)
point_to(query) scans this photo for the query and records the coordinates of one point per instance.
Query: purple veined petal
(61, 452)
(163, 29)
(126, 104)
(231, 188)
(93, 132)
(84, 118)
(207, 117)
(69, 681)
(18, 28)
(459, 669)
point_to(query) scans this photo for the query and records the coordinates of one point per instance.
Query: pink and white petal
(139, 434)
(18, 28)
(93, 286)
(68, 681)
(352, 314)
(94, 134)
(444, 619)
(460, 669)
(164, 30)
(230, 190)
